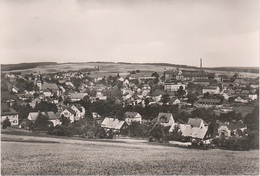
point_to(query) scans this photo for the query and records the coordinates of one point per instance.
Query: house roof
(194, 132)
(131, 114)
(195, 122)
(164, 117)
(6, 110)
(209, 100)
(112, 123)
(70, 110)
(210, 87)
(5, 96)
(51, 115)
(236, 125)
(50, 86)
(77, 95)
(33, 115)
(157, 93)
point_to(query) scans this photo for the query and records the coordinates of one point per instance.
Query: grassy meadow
(103, 158)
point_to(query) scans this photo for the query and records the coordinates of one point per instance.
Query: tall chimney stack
(200, 63)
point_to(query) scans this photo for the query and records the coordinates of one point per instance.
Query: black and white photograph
(129, 87)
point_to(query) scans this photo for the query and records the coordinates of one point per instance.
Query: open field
(114, 68)
(133, 157)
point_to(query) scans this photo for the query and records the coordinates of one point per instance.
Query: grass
(90, 158)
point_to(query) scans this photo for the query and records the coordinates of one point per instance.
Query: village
(180, 106)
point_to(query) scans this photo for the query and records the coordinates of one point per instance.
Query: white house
(252, 96)
(165, 119)
(211, 90)
(69, 113)
(232, 129)
(132, 117)
(196, 128)
(172, 87)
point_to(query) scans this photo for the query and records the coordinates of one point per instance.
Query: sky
(221, 32)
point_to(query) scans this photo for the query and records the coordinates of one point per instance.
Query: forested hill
(22, 66)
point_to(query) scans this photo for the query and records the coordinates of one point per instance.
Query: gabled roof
(210, 87)
(6, 110)
(209, 100)
(50, 86)
(112, 123)
(236, 125)
(195, 122)
(157, 93)
(164, 117)
(5, 96)
(131, 114)
(33, 115)
(70, 110)
(51, 115)
(194, 132)
(77, 95)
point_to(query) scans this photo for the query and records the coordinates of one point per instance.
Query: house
(196, 128)
(14, 89)
(211, 90)
(35, 101)
(69, 113)
(237, 128)
(9, 99)
(240, 100)
(165, 119)
(173, 86)
(132, 117)
(204, 82)
(77, 96)
(252, 96)
(79, 110)
(10, 113)
(114, 124)
(50, 88)
(208, 102)
(33, 116)
(146, 87)
(55, 120)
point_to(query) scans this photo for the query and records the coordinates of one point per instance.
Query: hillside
(22, 66)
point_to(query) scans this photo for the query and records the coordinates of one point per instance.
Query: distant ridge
(22, 66)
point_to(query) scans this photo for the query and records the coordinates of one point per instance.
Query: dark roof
(70, 110)
(210, 87)
(50, 86)
(157, 93)
(236, 125)
(5, 95)
(6, 110)
(209, 100)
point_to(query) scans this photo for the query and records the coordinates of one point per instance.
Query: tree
(181, 92)
(42, 122)
(165, 99)
(6, 123)
(155, 74)
(192, 98)
(64, 120)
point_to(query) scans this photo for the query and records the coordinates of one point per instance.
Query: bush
(232, 143)
(6, 123)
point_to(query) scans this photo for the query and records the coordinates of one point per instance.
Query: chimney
(200, 63)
